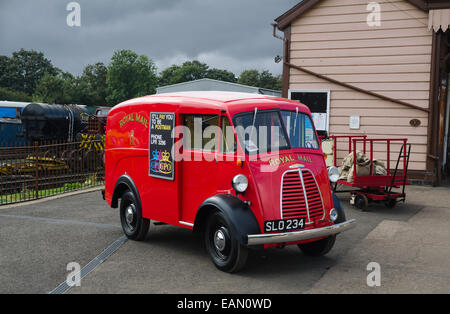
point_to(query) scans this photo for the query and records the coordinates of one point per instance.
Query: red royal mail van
(246, 170)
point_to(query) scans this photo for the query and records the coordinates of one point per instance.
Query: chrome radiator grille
(300, 196)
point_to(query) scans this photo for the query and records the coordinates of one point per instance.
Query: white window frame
(327, 91)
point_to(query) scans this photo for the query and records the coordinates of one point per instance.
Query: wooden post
(36, 166)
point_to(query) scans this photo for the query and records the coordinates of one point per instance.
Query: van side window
(203, 132)
(228, 142)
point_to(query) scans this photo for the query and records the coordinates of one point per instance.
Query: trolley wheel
(390, 203)
(361, 202)
(225, 251)
(134, 225)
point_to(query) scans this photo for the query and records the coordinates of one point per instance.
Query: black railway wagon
(42, 122)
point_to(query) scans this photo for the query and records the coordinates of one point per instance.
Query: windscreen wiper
(295, 121)
(253, 125)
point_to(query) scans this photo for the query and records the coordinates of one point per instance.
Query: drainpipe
(286, 58)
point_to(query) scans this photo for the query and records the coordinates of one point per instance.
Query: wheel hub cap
(129, 215)
(219, 240)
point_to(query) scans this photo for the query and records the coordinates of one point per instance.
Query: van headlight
(240, 183)
(333, 174)
(333, 215)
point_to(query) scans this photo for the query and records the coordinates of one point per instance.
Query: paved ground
(37, 241)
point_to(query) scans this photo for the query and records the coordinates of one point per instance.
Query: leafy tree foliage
(167, 76)
(221, 75)
(95, 77)
(127, 76)
(262, 79)
(4, 69)
(53, 89)
(130, 75)
(250, 78)
(191, 71)
(26, 69)
(7, 94)
(64, 88)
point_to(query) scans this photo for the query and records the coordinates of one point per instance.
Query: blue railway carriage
(10, 124)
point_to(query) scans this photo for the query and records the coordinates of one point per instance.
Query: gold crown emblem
(165, 156)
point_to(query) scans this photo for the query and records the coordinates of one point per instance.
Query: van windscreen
(300, 129)
(261, 131)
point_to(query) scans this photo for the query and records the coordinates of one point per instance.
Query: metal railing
(50, 168)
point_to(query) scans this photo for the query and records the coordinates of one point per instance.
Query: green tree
(50, 89)
(250, 78)
(269, 81)
(166, 76)
(221, 75)
(4, 71)
(26, 69)
(95, 78)
(77, 90)
(130, 75)
(191, 71)
(264, 79)
(7, 94)
(59, 89)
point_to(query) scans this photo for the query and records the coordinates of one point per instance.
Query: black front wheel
(224, 249)
(318, 248)
(134, 225)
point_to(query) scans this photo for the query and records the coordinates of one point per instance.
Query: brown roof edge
(438, 4)
(295, 12)
(421, 4)
(286, 19)
(355, 88)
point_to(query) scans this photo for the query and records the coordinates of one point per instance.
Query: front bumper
(268, 238)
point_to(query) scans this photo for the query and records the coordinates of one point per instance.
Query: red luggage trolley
(372, 187)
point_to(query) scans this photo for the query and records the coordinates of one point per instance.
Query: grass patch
(30, 194)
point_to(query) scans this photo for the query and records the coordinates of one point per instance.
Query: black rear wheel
(134, 225)
(225, 251)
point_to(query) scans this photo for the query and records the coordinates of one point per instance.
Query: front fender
(337, 205)
(239, 215)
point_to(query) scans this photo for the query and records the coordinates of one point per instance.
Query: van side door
(199, 163)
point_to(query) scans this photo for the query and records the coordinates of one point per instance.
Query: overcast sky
(228, 34)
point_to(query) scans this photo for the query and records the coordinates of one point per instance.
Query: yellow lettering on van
(288, 158)
(304, 158)
(131, 117)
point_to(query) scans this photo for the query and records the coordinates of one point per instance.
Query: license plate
(284, 225)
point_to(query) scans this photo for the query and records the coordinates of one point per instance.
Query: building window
(318, 101)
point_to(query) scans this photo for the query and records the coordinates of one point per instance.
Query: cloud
(232, 34)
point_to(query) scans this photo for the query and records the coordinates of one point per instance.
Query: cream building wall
(393, 59)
